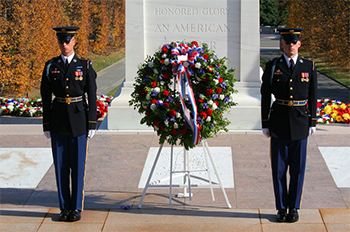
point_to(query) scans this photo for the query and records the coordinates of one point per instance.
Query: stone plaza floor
(115, 164)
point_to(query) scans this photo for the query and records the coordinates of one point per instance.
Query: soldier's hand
(47, 134)
(266, 132)
(312, 130)
(91, 133)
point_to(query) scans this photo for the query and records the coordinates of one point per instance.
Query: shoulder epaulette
(88, 62)
(313, 62)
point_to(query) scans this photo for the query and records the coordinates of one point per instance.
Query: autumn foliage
(27, 39)
(327, 26)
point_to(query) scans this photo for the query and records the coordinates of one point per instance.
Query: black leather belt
(69, 100)
(291, 102)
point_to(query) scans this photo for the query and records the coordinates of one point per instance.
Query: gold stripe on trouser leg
(87, 149)
(302, 191)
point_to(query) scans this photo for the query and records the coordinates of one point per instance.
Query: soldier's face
(290, 49)
(67, 49)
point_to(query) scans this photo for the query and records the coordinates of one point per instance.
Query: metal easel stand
(187, 175)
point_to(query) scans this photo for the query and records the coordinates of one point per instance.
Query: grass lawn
(100, 62)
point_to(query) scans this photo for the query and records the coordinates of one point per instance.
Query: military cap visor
(290, 35)
(65, 33)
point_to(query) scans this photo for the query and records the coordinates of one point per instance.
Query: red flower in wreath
(209, 91)
(172, 113)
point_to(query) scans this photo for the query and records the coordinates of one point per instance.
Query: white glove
(47, 134)
(91, 133)
(266, 132)
(312, 130)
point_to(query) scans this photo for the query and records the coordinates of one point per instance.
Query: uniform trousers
(69, 156)
(284, 154)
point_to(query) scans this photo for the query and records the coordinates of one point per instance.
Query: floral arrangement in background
(102, 105)
(24, 107)
(30, 107)
(330, 111)
(182, 91)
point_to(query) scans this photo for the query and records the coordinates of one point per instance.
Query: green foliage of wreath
(156, 95)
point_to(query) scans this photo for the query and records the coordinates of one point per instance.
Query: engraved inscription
(195, 28)
(189, 11)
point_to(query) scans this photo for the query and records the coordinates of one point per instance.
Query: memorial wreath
(183, 91)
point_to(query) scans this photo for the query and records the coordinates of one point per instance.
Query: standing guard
(292, 80)
(69, 120)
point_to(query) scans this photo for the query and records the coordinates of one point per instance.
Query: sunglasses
(67, 41)
(289, 42)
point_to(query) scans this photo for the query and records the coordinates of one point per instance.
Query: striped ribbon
(186, 56)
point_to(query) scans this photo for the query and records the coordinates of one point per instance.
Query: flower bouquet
(330, 111)
(182, 91)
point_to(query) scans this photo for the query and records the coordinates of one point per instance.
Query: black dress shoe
(281, 215)
(74, 215)
(64, 215)
(293, 215)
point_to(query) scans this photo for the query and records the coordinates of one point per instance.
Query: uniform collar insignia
(281, 60)
(74, 60)
(301, 61)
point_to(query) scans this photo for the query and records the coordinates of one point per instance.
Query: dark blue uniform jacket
(75, 118)
(283, 121)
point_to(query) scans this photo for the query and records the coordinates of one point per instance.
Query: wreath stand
(187, 175)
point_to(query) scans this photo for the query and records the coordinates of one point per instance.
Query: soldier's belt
(291, 102)
(69, 100)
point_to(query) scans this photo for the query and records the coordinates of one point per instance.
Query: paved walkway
(114, 167)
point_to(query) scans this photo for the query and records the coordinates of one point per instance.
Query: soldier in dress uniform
(292, 80)
(69, 120)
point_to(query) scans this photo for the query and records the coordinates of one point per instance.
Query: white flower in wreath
(148, 96)
(201, 96)
(177, 115)
(197, 65)
(211, 60)
(161, 82)
(10, 107)
(150, 64)
(166, 61)
(157, 89)
(210, 102)
(155, 71)
(160, 102)
(166, 122)
(176, 126)
(221, 96)
(214, 107)
(153, 107)
(164, 56)
(208, 119)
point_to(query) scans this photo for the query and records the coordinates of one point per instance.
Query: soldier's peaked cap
(64, 33)
(290, 34)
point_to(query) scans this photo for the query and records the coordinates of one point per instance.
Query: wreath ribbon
(186, 56)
